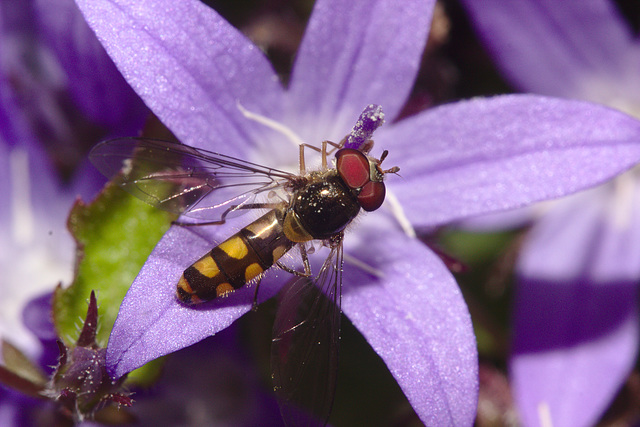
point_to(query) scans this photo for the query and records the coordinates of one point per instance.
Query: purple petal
(151, 321)
(550, 47)
(416, 320)
(18, 410)
(576, 317)
(356, 53)
(488, 155)
(96, 86)
(5, 191)
(190, 66)
(36, 317)
(86, 181)
(575, 343)
(507, 220)
(599, 228)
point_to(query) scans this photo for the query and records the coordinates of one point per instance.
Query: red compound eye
(372, 195)
(353, 167)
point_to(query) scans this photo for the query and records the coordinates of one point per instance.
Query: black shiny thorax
(325, 205)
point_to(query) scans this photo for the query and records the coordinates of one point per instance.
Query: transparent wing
(304, 350)
(182, 179)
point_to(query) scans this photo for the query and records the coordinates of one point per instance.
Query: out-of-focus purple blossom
(205, 81)
(59, 92)
(57, 82)
(576, 314)
(37, 252)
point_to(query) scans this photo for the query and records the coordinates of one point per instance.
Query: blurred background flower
(60, 93)
(576, 324)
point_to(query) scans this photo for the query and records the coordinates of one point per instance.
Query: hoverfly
(300, 208)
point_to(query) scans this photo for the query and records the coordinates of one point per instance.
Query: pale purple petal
(416, 319)
(493, 154)
(356, 53)
(574, 345)
(597, 227)
(550, 46)
(33, 214)
(151, 321)
(190, 66)
(507, 220)
(5, 191)
(37, 318)
(576, 313)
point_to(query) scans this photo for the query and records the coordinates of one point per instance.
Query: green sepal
(115, 235)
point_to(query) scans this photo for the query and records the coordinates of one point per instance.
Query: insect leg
(303, 168)
(336, 146)
(322, 151)
(223, 217)
(254, 306)
(305, 263)
(324, 155)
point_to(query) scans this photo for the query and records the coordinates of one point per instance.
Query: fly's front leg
(303, 168)
(336, 146)
(223, 217)
(305, 263)
(323, 152)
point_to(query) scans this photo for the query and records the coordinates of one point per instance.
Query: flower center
(391, 201)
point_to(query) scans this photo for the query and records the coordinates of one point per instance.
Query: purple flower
(47, 104)
(46, 92)
(576, 314)
(198, 74)
(57, 82)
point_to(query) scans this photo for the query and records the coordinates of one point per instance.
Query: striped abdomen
(236, 261)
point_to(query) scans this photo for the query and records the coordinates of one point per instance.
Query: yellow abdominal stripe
(207, 266)
(278, 252)
(184, 285)
(252, 271)
(224, 288)
(234, 247)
